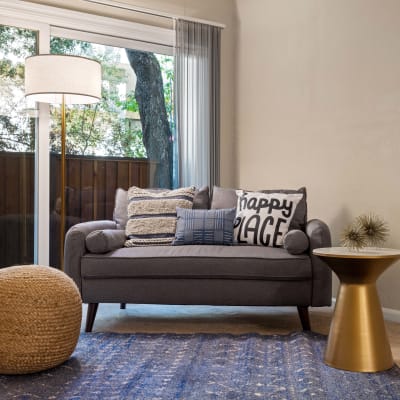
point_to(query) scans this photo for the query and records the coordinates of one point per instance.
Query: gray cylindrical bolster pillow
(296, 242)
(105, 240)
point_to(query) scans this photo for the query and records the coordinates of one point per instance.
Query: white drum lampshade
(49, 76)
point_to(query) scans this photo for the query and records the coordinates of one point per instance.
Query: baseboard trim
(389, 314)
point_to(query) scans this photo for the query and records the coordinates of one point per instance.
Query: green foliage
(127, 141)
(99, 129)
(82, 134)
(21, 43)
(129, 104)
(111, 127)
(8, 70)
(69, 46)
(17, 128)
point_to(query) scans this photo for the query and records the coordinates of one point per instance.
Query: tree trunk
(149, 94)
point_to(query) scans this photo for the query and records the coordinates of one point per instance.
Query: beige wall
(318, 104)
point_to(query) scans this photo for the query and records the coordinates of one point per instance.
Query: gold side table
(357, 338)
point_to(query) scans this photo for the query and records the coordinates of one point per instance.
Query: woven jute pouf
(40, 318)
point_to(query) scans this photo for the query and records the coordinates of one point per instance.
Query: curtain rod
(125, 6)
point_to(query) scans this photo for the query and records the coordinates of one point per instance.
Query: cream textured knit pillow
(152, 215)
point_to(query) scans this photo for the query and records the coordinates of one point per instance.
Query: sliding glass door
(18, 123)
(124, 140)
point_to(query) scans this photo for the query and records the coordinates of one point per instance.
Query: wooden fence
(91, 184)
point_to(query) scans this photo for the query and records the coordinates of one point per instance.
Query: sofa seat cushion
(193, 261)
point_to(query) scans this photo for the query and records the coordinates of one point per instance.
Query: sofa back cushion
(227, 198)
(201, 201)
(120, 214)
(152, 215)
(223, 198)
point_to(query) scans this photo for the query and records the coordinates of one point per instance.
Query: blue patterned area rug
(200, 366)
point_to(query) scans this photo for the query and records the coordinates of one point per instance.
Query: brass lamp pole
(62, 79)
(63, 182)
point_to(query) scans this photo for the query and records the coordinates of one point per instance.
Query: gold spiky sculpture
(366, 230)
(374, 228)
(353, 238)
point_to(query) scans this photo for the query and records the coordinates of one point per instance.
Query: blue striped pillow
(204, 226)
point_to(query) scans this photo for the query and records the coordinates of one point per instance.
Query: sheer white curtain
(197, 102)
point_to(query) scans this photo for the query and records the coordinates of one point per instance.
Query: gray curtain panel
(197, 91)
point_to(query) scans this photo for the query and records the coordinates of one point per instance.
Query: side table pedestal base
(357, 339)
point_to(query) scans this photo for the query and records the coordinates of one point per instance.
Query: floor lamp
(62, 79)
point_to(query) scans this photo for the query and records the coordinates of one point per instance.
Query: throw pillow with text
(263, 218)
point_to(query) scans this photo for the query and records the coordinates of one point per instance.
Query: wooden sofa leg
(122, 306)
(90, 316)
(304, 318)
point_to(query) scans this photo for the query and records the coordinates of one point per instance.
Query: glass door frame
(41, 195)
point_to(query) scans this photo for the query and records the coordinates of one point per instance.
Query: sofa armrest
(75, 246)
(319, 236)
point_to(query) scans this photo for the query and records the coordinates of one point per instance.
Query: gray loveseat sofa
(243, 275)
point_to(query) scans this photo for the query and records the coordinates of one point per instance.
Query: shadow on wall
(342, 219)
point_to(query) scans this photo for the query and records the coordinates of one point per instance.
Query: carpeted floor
(236, 320)
(200, 366)
(246, 353)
